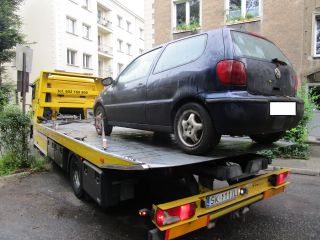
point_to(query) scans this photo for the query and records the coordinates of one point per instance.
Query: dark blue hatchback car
(222, 82)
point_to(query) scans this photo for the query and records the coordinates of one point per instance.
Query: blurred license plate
(222, 197)
(283, 108)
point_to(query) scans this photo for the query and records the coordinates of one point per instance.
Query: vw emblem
(277, 73)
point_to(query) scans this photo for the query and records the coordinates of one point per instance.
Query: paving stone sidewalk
(305, 167)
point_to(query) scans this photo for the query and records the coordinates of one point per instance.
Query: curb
(298, 171)
(16, 175)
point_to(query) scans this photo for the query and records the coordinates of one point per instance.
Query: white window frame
(86, 31)
(74, 25)
(119, 21)
(120, 67)
(85, 4)
(120, 42)
(141, 33)
(243, 8)
(174, 12)
(128, 26)
(129, 47)
(69, 57)
(314, 35)
(87, 61)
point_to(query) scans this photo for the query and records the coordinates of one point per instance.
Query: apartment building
(98, 37)
(294, 25)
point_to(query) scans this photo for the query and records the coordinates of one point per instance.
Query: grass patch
(10, 164)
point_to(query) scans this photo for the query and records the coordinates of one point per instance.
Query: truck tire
(75, 174)
(98, 124)
(194, 130)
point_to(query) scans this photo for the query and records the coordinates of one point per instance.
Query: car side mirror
(107, 81)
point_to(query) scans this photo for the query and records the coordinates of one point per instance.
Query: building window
(141, 33)
(128, 26)
(86, 31)
(186, 13)
(71, 25)
(85, 4)
(119, 21)
(129, 48)
(239, 9)
(71, 57)
(86, 60)
(119, 45)
(317, 36)
(120, 68)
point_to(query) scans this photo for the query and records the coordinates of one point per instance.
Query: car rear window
(181, 52)
(251, 46)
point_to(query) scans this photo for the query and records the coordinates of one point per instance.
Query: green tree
(10, 33)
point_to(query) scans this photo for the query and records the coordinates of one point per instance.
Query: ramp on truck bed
(130, 149)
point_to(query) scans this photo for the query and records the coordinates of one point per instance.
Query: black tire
(75, 175)
(190, 138)
(98, 125)
(267, 138)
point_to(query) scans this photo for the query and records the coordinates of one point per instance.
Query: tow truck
(111, 169)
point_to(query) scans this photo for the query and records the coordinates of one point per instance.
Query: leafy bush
(14, 132)
(5, 92)
(9, 164)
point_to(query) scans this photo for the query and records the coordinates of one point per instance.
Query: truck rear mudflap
(177, 218)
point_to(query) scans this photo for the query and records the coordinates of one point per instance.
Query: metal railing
(104, 22)
(105, 49)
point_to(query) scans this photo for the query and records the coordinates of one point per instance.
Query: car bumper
(240, 113)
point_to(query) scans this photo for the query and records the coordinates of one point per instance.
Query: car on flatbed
(222, 82)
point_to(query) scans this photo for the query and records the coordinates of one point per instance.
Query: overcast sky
(136, 6)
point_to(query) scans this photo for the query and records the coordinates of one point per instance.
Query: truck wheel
(194, 130)
(267, 138)
(76, 176)
(98, 123)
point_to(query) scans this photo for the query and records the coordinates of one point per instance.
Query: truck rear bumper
(257, 189)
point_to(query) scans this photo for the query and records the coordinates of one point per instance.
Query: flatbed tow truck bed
(141, 150)
(108, 176)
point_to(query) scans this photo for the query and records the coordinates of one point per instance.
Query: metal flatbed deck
(141, 150)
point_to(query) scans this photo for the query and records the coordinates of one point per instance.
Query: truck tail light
(232, 72)
(177, 214)
(279, 179)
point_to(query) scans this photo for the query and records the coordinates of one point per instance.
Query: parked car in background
(222, 82)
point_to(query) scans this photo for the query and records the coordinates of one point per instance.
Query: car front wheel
(267, 138)
(194, 130)
(100, 116)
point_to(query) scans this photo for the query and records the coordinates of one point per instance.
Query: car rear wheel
(194, 130)
(100, 116)
(267, 138)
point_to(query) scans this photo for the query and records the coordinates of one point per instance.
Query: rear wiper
(278, 61)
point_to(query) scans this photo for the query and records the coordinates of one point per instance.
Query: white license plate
(222, 197)
(283, 108)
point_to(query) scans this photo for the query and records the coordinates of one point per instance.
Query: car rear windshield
(250, 46)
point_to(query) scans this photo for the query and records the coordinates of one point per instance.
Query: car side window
(139, 68)
(181, 52)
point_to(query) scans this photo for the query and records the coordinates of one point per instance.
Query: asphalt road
(42, 206)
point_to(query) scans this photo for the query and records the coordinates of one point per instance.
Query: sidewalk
(305, 167)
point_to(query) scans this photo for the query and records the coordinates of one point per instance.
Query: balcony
(105, 50)
(104, 24)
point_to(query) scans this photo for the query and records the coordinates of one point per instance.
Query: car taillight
(177, 214)
(279, 179)
(232, 72)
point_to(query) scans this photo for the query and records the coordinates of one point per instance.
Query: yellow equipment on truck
(137, 158)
